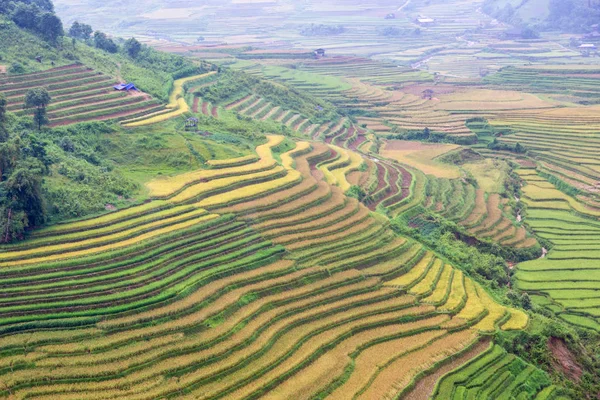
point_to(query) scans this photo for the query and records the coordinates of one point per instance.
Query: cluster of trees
(80, 31)
(428, 135)
(23, 162)
(392, 31)
(322, 30)
(35, 15)
(572, 16)
(576, 16)
(502, 146)
(509, 14)
(101, 41)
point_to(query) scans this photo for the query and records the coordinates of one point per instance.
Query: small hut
(390, 16)
(320, 53)
(125, 87)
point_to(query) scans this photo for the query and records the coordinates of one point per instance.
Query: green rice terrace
(273, 200)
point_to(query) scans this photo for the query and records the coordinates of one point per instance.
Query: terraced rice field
(494, 374)
(177, 105)
(251, 279)
(78, 94)
(565, 281)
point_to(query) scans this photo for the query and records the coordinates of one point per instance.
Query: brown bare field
(422, 156)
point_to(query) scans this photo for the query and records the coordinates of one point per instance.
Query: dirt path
(424, 387)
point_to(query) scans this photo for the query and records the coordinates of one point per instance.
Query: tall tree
(103, 42)
(38, 99)
(21, 203)
(50, 26)
(3, 130)
(80, 31)
(133, 47)
(26, 15)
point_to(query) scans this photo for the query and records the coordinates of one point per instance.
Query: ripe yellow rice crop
(252, 191)
(231, 162)
(287, 341)
(457, 292)
(442, 287)
(108, 229)
(348, 208)
(63, 247)
(398, 375)
(518, 320)
(176, 102)
(335, 173)
(414, 274)
(162, 187)
(104, 219)
(245, 334)
(178, 87)
(473, 307)
(495, 312)
(479, 210)
(320, 373)
(427, 283)
(113, 246)
(287, 159)
(182, 108)
(222, 184)
(196, 298)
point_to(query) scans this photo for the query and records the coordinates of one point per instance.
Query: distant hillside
(574, 16)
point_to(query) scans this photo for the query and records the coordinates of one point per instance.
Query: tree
(38, 98)
(560, 9)
(80, 31)
(133, 47)
(51, 27)
(3, 131)
(103, 42)
(3, 104)
(75, 30)
(26, 15)
(21, 203)
(16, 68)
(45, 5)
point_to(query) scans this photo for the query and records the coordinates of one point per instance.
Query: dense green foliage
(36, 16)
(322, 30)
(103, 42)
(80, 31)
(533, 345)
(23, 161)
(572, 15)
(502, 146)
